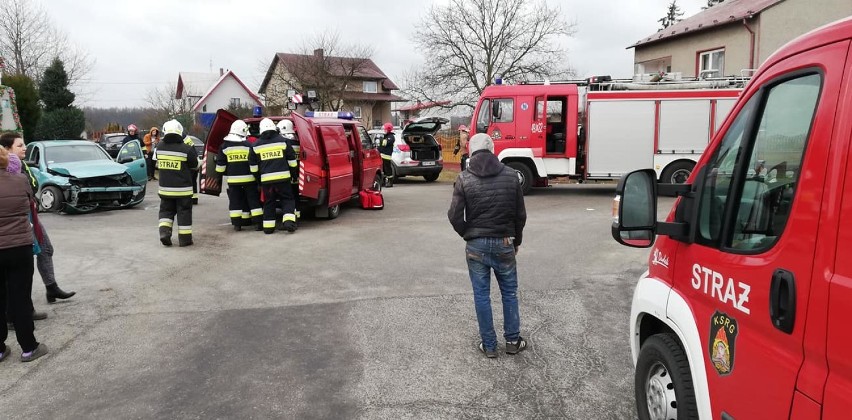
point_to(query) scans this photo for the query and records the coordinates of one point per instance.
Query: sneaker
(491, 354)
(5, 353)
(515, 347)
(41, 350)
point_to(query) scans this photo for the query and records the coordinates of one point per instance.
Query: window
(356, 111)
(371, 87)
(506, 110)
(711, 63)
(765, 183)
(235, 102)
(554, 110)
(483, 119)
(366, 141)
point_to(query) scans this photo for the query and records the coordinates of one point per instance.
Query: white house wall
(221, 96)
(781, 23)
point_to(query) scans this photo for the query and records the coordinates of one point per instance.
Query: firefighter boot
(290, 226)
(166, 235)
(184, 239)
(389, 182)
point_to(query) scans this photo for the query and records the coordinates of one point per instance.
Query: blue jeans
(498, 254)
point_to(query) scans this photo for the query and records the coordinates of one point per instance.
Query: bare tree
(164, 106)
(29, 41)
(323, 64)
(471, 42)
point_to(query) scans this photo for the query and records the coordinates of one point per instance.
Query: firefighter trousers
(244, 204)
(182, 207)
(275, 194)
(387, 168)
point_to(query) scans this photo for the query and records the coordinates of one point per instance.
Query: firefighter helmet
(239, 128)
(388, 127)
(173, 127)
(286, 127)
(267, 125)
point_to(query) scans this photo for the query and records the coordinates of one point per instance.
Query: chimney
(318, 52)
(221, 71)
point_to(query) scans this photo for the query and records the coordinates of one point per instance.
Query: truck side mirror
(634, 209)
(495, 110)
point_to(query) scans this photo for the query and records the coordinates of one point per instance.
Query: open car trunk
(423, 147)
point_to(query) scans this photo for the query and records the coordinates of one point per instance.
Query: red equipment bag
(372, 200)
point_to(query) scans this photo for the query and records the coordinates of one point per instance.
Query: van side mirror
(634, 209)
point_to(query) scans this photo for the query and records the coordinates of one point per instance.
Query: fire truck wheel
(663, 381)
(677, 172)
(525, 174)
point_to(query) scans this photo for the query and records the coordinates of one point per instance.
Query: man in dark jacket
(488, 212)
(176, 162)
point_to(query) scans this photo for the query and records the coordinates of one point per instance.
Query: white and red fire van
(745, 311)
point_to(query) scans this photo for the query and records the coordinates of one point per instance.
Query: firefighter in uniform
(188, 141)
(176, 162)
(386, 151)
(243, 195)
(272, 157)
(286, 128)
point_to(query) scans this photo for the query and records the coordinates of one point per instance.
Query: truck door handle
(782, 300)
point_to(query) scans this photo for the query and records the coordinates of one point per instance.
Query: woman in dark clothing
(16, 263)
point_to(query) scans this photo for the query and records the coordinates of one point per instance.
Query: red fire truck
(600, 129)
(745, 310)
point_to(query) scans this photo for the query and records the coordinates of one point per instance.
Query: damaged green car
(78, 176)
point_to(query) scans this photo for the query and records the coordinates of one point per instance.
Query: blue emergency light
(330, 114)
(498, 80)
(257, 111)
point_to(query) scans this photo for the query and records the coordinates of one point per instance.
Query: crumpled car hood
(89, 168)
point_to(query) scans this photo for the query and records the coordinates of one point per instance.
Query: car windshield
(74, 153)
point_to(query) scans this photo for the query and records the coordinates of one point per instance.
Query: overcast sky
(141, 44)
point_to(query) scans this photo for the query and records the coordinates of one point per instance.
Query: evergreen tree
(61, 120)
(26, 97)
(672, 15)
(54, 87)
(711, 3)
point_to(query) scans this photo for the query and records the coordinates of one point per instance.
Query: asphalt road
(366, 316)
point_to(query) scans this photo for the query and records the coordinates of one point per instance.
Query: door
(339, 163)
(130, 155)
(212, 185)
(355, 157)
(501, 124)
(538, 127)
(311, 160)
(837, 403)
(370, 161)
(748, 274)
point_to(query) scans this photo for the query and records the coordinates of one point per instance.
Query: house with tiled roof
(207, 92)
(732, 36)
(329, 83)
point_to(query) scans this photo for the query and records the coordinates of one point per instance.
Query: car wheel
(333, 212)
(525, 175)
(394, 174)
(377, 182)
(663, 381)
(51, 199)
(431, 177)
(677, 172)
